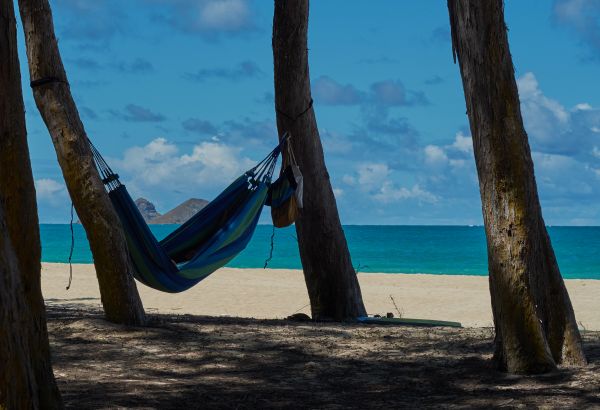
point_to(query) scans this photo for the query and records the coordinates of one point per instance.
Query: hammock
(206, 242)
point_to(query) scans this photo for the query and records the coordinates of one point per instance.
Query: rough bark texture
(18, 384)
(54, 100)
(331, 280)
(17, 198)
(534, 320)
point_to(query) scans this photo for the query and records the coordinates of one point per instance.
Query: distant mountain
(177, 215)
(147, 209)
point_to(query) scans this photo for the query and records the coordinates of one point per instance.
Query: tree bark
(534, 320)
(330, 277)
(17, 199)
(18, 385)
(54, 100)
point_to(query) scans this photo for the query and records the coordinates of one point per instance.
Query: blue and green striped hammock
(206, 242)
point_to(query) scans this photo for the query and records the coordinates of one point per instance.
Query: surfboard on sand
(399, 321)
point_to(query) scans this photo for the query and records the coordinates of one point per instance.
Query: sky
(178, 96)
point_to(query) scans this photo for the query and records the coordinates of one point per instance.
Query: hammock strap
(263, 171)
(293, 119)
(265, 168)
(46, 80)
(109, 177)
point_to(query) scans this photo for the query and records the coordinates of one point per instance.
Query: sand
(278, 293)
(204, 362)
(251, 360)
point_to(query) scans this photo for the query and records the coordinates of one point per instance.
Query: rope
(288, 133)
(265, 168)
(108, 176)
(290, 152)
(271, 251)
(294, 119)
(46, 80)
(72, 247)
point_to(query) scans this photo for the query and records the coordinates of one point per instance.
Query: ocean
(454, 250)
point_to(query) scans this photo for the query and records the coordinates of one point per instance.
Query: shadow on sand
(208, 362)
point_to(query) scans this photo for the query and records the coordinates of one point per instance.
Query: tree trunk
(534, 320)
(18, 385)
(330, 278)
(54, 100)
(17, 198)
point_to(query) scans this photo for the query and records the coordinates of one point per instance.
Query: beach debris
(299, 317)
(400, 312)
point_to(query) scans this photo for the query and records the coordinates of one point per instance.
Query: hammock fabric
(206, 242)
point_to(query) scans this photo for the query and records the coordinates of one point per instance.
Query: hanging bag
(285, 195)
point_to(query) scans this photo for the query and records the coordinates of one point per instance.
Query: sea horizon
(351, 224)
(393, 249)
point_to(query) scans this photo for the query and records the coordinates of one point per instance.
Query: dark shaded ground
(202, 362)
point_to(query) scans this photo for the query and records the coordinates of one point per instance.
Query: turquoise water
(457, 250)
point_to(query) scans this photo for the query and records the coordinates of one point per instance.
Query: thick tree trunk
(54, 100)
(17, 198)
(18, 385)
(331, 280)
(533, 316)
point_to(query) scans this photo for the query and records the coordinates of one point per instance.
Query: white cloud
(224, 14)
(463, 143)
(545, 119)
(390, 193)
(52, 192)
(582, 107)
(458, 154)
(372, 174)
(554, 129)
(208, 17)
(565, 149)
(583, 17)
(552, 162)
(160, 163)
(569, 9)
(562, 176)
(348, 179)
(435, 156)
(530, 93)
(48, 188)
(335, 143)
(376, 179)
(457, 163)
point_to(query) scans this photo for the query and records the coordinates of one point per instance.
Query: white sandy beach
(277, 293)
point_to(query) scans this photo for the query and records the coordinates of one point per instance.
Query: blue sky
(178, 95)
